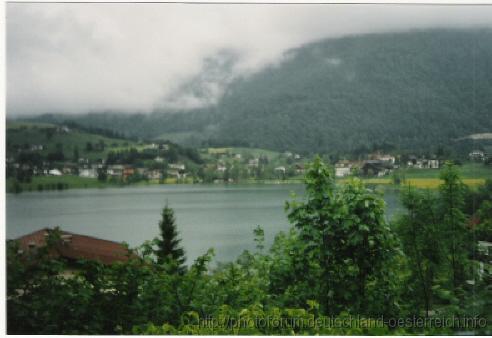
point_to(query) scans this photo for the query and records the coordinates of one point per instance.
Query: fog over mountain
(76, 58)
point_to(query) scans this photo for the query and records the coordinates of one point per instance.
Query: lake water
(222, 217)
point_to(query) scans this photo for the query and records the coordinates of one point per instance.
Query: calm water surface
(222, 217)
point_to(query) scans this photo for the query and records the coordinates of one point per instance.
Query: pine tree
(168, 249)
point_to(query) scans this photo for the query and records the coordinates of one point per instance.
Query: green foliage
(418, 230)
(337, 271)
(457, 235)
(345, 232)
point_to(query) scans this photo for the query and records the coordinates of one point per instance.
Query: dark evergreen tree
(168, 249)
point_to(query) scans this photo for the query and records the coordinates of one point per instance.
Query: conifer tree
(168, 249)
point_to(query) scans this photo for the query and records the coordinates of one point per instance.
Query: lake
(222, 217)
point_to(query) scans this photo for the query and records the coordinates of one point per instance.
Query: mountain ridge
(410, 91)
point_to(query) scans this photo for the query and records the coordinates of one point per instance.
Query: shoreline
(61, 183)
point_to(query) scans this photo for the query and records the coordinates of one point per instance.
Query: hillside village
(62, 151)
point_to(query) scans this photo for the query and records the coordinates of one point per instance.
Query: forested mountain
(414, 90)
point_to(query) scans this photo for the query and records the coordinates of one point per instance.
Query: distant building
(55, 172)
(254, 163)
(176, 173)
(387, 158)
(177, 166)
(88, 173)
(376, 167)
(433, 164)
(142, 171)
(423, 163)
(115, 170)
(128, 171)
(154, 174)
(343, 168)
(477, 155)
(37, 147)
(280, 169)
(299, 168)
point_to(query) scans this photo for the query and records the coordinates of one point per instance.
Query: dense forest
(409, 91)
(341, 269)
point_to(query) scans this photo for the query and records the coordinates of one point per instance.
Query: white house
(342, 171)
(280, 169)
(176, 166)
(386, 158)
(433, 164)
(55, 172)
(477, 155)
(89, 173)
(342, 168)
(254, 163)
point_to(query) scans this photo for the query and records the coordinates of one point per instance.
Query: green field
(41, 183)
(30, 133)
(467, 170)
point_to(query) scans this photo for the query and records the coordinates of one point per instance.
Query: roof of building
(75, 246)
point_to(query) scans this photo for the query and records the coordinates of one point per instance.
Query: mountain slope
(412, 91)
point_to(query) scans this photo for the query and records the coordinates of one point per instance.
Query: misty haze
(250, 169)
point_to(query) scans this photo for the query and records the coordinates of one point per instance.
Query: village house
(142, 171)
(177, 166)
(386, 158)
(254, 163)
(221, 168)
(343, 168)
(299, 168)
(63, 129)
(55, 172)
(414, 162)
(176, 173)
(128, 171)
(115, 170)
(88, 172)
(177, 170)
(280, 169)
(74, 247)
(37, 147)
(154, 174)
(477, 155)
(376, 167)
(69, 169)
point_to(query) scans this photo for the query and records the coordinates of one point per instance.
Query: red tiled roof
(75, 246)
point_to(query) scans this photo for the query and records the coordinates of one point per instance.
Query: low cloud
(75, 58)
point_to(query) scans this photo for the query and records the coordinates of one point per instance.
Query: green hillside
(415, 91)
(53, 139)
(410, 90)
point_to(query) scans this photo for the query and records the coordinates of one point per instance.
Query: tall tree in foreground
(418, 230)
(169, 250)
(344, 231)
(454, 230)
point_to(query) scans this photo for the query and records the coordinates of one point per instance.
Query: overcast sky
(75, 58)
